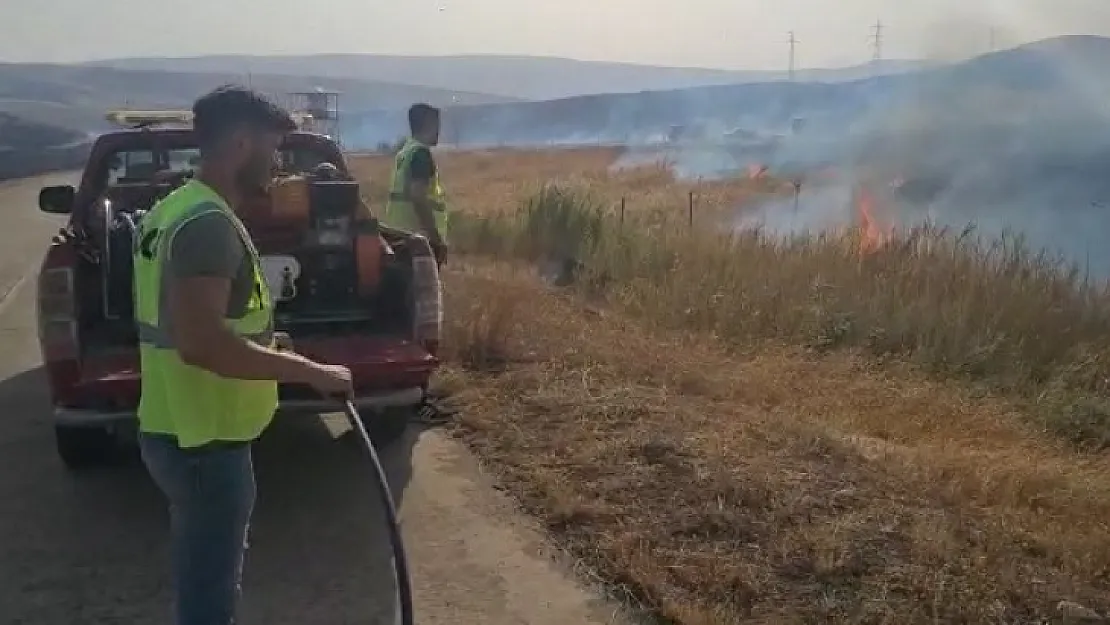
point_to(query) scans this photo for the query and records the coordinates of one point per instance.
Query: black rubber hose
(400, 563)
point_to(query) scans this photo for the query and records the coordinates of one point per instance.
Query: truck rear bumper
(79, 417)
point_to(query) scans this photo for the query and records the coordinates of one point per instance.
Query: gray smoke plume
(1026, 151)
(1013, 140)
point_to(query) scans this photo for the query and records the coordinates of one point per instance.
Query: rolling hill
(1050, 92)
(27, 148)
(49, 112)
(531, 78)
(1058, 76)
(1017, 140)
(76, 97)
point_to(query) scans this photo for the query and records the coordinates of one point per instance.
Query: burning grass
(982, 312)
(784, 431)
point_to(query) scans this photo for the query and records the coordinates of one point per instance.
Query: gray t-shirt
(210, 246)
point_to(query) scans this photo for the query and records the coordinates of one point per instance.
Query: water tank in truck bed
(333, 205)
(328, 277)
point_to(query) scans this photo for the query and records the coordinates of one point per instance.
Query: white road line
(8, 296)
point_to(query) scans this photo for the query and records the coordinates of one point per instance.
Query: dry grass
(784, 433)
(780, 488)
(494, 182)
(987, 312)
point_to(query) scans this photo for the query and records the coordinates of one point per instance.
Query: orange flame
(872, 236)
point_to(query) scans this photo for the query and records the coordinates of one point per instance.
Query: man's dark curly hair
(227, 108)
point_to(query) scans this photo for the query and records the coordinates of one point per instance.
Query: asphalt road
(93, 548)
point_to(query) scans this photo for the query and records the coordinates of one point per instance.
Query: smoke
(1014, 142)
(963, 34)
(370, 129)
(823, 207)
(1017, 140)
(696, 162)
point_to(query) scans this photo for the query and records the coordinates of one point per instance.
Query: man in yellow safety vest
(206, 344)
(416, 199)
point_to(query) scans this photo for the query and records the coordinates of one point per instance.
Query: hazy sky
(709, 33)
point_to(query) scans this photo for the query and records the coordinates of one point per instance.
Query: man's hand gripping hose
(400, 563)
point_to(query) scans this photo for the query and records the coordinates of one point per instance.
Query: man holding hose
(209, 368)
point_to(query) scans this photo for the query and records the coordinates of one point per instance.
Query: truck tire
(386, 426)
(85, 447)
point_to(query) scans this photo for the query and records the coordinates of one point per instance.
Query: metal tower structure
(877, 41)
(791, 64)
(323, 108)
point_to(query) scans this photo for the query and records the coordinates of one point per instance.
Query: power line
(877, 41)
(791, 65)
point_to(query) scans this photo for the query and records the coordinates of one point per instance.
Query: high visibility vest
(400, 213)
(178, 399)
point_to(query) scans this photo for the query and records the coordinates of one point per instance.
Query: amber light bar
(139, 119)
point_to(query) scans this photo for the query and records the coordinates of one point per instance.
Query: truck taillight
(427, 297)
(57, 314)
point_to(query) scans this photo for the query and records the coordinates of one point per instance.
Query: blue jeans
(211, 494)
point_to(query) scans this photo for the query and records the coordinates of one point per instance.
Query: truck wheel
(85, 447)
(386, 426)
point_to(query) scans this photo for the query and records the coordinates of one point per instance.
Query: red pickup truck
(347, 291)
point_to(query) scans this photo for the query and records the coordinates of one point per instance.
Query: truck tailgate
(377, 363)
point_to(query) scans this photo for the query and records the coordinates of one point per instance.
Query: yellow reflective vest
(399, 213)
(193, 404)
